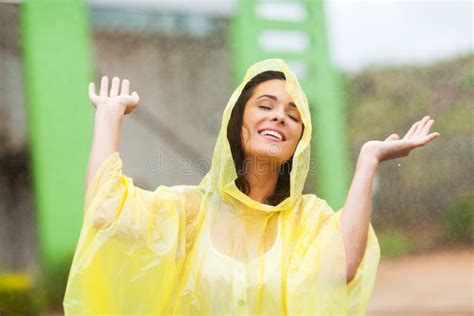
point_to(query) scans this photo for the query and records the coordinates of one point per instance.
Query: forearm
(106, 139)
(355, 216)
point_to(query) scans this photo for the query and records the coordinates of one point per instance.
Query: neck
(262, 178)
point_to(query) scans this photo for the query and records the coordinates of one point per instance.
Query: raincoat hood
(222, 174)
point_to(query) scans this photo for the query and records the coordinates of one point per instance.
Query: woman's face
(272, 125)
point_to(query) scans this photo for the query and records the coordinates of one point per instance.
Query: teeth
(273, 133)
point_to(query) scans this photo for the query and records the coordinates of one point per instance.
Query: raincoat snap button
(241, 302)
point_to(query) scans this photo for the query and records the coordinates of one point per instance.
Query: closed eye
(294, 118)
(269, 108)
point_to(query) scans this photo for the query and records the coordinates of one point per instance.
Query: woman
(245, 241)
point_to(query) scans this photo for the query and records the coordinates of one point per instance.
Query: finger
(92, 96)
(104, 86)
(420, 126)
(91, 89)
(132, 99)
(426, 139)
(431, 136)
(427, 128)
(125, 87)
(393, 137)
(135, 97)
(411, 131)
(115, 87)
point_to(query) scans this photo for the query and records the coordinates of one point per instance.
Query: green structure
(295, 30)
(57, 68)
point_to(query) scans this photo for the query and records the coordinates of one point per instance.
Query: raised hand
(394, 147)
(115, 99)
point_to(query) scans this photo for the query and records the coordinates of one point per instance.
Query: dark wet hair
(234, 130)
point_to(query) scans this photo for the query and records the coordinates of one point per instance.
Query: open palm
(394, 147)
(117, 99)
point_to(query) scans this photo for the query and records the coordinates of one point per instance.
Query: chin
(267, 153)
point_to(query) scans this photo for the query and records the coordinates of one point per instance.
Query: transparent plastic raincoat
(178, 250)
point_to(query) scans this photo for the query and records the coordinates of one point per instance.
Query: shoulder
(313, 211)
(311, 203)
(189, 197)
(177, 192)
(310, 218)
(191, 194)
(183, 197)
(186, 190)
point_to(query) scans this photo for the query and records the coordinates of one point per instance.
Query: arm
(110, 110)
(106, 139)
(355, 216)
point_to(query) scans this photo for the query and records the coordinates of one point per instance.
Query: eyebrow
(274, 98)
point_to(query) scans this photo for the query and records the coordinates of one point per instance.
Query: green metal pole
(56, 69)
(329, 119)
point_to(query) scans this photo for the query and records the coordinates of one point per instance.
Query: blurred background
(369, 69)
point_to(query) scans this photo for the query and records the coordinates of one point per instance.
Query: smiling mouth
(271, 135)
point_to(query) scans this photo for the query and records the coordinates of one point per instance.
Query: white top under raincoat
(210, 249)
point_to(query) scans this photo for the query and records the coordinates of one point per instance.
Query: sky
(368, 33)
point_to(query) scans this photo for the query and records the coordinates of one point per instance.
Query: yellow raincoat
(178, 250)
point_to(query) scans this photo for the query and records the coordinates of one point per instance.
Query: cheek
(295, 141)
(244, 135)
(298, 131)
(244, 132)
(249, 122)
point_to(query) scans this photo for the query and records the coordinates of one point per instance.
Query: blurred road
(436, 283)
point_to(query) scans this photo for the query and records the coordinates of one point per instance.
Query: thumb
(392, 137)
(92, 96)
(133, 98)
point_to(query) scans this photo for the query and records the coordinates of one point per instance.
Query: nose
(278, 117)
